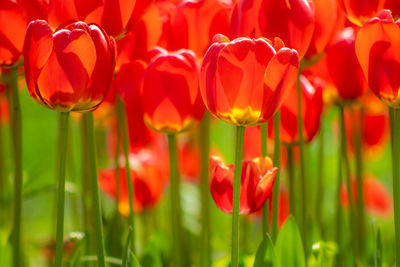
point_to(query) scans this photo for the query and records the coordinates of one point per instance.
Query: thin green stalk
(125, 142)
(175, 192)
(303, 171)
(3, 182)
(346, 170)
(292, 187)
(338, 210)
(236, 195)
(395, 129)
(117, 167)
(95, 193)
(357, 140)
(16, 133)
(319, 205)
(63, 135)
(264, 153)
(277, 164)
(205, 258)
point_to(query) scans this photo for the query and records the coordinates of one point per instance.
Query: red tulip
(394, 6)
(377, 199)
(195, 23)
(290, 20)
(170, 92)
(189, 159)
(359, 11)
(13, 23)
(377, 48)
(343, 66)
(148, 182)
(244, 81)
(311, 103)
(257, 180)
(4, 110)
(70, 69)
(329, 19)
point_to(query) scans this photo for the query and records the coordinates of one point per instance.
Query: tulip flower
(170, 93)
(12, 38)
(290, 20)
(148, 182)
(329, 19)
(189, 159)
(377, 46)
(377, 198)
(257, 180)
(359, 11)
(244, 81)
(195, 23)
(70, 69)
(343, 67)
(312, 104)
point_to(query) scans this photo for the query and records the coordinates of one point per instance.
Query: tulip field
(207, 133)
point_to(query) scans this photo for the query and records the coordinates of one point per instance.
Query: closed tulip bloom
(312, 106)
(377, 48)
(70, 69)
(344, 68)
(359, 11)
(13, 25)
(244, 81)
(170, 91)
(195, 23)
(257, 180)
(290, 20)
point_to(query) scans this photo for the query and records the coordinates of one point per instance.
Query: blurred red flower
(283, 206)
(290, 20)
(148, 182)
(312, 106)
(257, 180)
(244, 81)
(70, 69)
(377, 46)
(343, 66)
(359, 11)
(377, 199)
(170, 92)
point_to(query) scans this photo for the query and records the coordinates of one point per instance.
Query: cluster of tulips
(150, 73)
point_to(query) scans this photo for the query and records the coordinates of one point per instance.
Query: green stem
(292, 187)
(346, 170)
(117, 166)
(357, 140)
(395, 129)
(277, 164)
(16, 128)
(125, 141)
(175, 192)
(63, 135)
(3, 182)
(236, 196)
(320, 178)
(95, 193)
(338, 209)
(205, 259)
(303, 172)
(264, 153)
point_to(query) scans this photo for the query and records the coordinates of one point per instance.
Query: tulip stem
(320, 178)
(395, 130)
(175, 193)
(277, 163)
(346, 170)
(95, 193)
(117, 166)
(303, 172)
(3, 181)
(205, 259)
(62, 157)
(125, 141)
(236, 195)
(16, 133)
(264, 153)
(338, 210)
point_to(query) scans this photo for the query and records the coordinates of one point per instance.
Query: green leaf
(378, 248)
(266, 256)
(289, 247)
(133, 261)
(151, 256)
